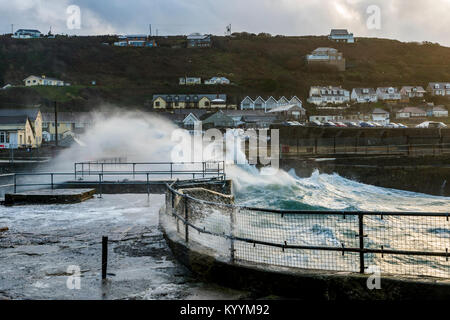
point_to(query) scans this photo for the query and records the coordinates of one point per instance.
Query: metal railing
(195, 171)
(203, 169)
(406, 243)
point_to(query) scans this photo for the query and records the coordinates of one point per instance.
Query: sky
(405, 20)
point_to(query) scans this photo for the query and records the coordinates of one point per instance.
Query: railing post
(361, 243)
(15, 183)
(134, 169)
(232, 224)
(75, 170)
(100, 184)
(104, 257)
(51, 175)
(148, 186)
(186, 218)
(171, 175)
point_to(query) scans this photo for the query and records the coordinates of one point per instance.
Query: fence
(398, 243)
(196, 171)
(203, 169)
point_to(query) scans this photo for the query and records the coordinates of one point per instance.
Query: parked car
(431, 124)
(329, 124)
(363, 124)
(375, 124)
(401, 125)
(392, 125)
(340, 125)
(352, 124)
(315, 123)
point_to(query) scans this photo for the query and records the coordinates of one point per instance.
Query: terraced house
(262, 104)
(189, 101)
(42, 81)
(439, 88)
(321, 96)
(20, 128)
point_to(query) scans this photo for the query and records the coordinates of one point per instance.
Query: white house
(26, 34)
(341, 35)
(364, 95)
(269, 104)
(380, 116)
(412, 92)
(42, 81)
(290, 111)
(190, 121)
(218, 80)
(411, 112)
(388, 94)
(190, 81)
(437, 111)
(439, 88)
(328, 95)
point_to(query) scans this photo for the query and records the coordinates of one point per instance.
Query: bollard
(104, 256)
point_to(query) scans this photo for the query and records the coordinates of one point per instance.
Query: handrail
(362, 249)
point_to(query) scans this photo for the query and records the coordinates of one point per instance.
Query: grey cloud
(406, 20)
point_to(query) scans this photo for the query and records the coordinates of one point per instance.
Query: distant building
(364, 95)
(327, 57)
(135, 40)
(412, 92)
(437, 112)
(20, 128)
(439, 88)
(69, 123)
(42, 81)
(328, 95)
(380, 116)
(341, 35)
(189, 101)
(189, 81)
(27, 34)
(196, 40)
(388, 94)
(217, 120)
(289, 112)
(261, 104)
(411, 112)
(217, 80)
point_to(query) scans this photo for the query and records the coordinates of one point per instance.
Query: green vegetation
(257, 65)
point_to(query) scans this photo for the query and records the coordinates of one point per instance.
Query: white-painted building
(381, 116)
(388, 94)
(412, 92)
(271, 103)
(364, 95)
(189, 81)
(218, 80)
(439, 88)
(328, 95)
(42, 81)
(411, 112)
(341, 35)
(27, 34)
(437, 111)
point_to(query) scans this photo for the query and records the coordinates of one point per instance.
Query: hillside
(257, 65)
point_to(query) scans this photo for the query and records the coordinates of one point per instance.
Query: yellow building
(20, 128)
(42, 81)
(69, 123)
(189, 101)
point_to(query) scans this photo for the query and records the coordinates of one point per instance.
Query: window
(176, 104)
(206, 103)
(157, 104)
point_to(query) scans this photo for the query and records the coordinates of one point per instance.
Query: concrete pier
(49, 196)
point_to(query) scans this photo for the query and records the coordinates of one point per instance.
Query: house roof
(324, 50)
(359, 91)
(46, 78)
(411, 110)
(285, 108)
(28, 30)
(339, 32)
(30, 113)
(197, 36)
(66, 116)
(189, 97)
(438, 108)
(379, 111)
(442, 85)
(385, 89)
(14, 120)
(410, 88)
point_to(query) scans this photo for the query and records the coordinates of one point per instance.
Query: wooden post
(104, 256)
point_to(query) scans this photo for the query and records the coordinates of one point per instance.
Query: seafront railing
(397, 243)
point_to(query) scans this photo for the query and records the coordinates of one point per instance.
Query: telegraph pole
(56, 124)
